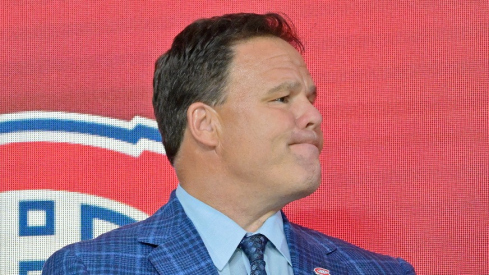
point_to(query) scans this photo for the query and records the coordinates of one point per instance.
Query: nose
(309, 116)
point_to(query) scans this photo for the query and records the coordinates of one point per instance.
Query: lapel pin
(321, 271)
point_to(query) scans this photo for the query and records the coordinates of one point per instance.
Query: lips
(307, 137)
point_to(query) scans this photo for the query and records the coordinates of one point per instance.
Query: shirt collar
(273, 229)
(221, 235)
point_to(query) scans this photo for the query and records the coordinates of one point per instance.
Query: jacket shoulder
(356, 259)
(118, 248)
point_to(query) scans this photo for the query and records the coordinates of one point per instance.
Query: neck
(248, 213)
(210, 183)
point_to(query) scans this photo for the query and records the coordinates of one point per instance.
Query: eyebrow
(312, 91)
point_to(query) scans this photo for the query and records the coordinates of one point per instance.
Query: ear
(202, 123)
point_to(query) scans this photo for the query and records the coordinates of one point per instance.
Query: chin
(307, 185)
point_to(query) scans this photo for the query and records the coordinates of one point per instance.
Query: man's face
(270, 135)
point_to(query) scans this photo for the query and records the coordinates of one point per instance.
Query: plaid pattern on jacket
(168, 243)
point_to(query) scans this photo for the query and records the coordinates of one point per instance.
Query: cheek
(258, 132)
(238, 134)
(272, 136)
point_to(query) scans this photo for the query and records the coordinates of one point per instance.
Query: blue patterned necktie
(254, 247)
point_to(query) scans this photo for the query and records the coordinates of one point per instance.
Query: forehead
(265, 62)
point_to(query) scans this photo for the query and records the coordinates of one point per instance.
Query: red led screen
(403, 90)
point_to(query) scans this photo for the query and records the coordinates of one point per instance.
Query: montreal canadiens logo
(69, 177)
(321, 271)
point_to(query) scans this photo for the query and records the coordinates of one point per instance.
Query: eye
(284, 99)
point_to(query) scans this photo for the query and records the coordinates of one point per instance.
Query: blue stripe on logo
(127, 135)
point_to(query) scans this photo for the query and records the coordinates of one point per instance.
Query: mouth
(307, 139)
(306, 150)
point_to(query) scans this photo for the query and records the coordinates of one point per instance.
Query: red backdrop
(403, 89)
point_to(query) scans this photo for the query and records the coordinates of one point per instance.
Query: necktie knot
(254, 247)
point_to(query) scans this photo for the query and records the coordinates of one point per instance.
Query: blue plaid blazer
(168, 243)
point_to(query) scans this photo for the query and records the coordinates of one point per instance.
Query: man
(234, 103)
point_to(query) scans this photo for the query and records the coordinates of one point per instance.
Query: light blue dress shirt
(221, 237)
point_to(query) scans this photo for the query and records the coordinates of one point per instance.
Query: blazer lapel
(178, 246)
(307, 254)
